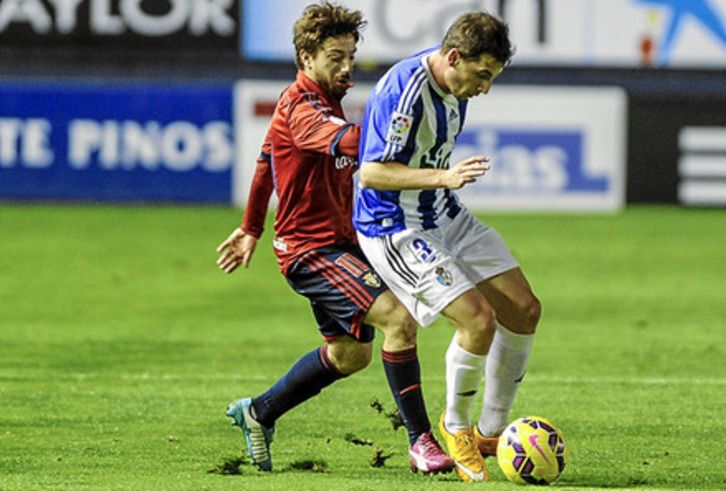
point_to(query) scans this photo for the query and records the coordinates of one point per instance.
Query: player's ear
(306, 59)
(453, 57)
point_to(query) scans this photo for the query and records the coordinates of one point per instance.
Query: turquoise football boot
(257, 437)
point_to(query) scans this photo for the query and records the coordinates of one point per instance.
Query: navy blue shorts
(341, 287)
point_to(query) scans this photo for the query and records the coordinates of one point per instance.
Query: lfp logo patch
(399, 128)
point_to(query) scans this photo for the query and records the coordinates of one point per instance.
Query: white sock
(505, 367)
(463, 377)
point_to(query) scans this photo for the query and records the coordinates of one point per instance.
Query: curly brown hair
(476, 33)
(320, 22)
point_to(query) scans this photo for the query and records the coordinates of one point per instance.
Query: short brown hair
(477, 33)
(320, 22)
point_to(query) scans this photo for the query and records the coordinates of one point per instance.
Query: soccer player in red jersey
(309, 157)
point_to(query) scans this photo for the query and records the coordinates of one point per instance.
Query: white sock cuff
(459, 355)
(512, 340)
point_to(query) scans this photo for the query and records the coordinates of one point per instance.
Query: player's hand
(236, 250)
(466, 171)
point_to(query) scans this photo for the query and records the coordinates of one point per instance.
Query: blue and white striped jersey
(410, 120)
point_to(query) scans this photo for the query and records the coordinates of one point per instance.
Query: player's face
(332, 66)
(469, 78)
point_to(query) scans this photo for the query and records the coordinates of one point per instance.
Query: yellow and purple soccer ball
(532, 450)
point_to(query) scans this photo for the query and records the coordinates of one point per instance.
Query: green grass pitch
(121, 345)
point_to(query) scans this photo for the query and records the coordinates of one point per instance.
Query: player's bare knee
(483, 315)
(356, 362)
(532, 312)
(350, 356)
(480, 321)
(486, 320)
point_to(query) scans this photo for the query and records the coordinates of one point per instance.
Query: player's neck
(438, 64)
(311, 75)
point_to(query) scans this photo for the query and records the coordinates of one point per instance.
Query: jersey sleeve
(386, 133)
(261, 189)
(314, 128)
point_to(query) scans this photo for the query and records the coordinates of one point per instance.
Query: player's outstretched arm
(236, 250)
(394, 176)
(240, 245)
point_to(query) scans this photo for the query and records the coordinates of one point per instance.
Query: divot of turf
(394, 416)
(355, 440)
(379, 457)
(314, 465)
(229, 467)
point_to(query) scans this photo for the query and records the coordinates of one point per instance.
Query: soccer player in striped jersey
(431, 251)
(309, 157)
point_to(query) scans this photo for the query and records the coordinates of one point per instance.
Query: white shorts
(429, 269)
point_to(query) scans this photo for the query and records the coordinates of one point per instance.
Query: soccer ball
(532, 450)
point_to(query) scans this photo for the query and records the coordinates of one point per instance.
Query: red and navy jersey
(309, 156)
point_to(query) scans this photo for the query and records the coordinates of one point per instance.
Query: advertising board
(628, 33)
(552, 149)
(702, 166)
(93, 24)
(128, 142)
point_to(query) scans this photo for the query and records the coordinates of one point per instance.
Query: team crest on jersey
(444, 277)
(372, 280)
(399, 128)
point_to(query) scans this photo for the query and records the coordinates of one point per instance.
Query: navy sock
(311, 374)
(404, 377)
